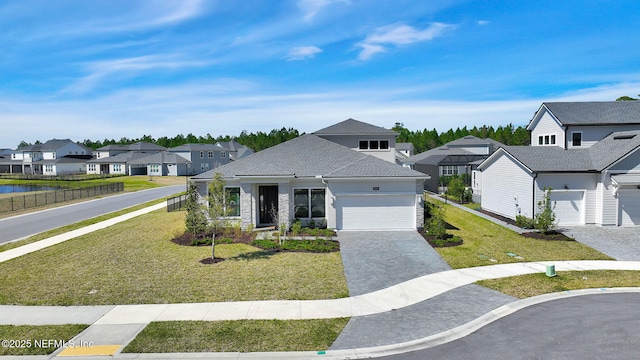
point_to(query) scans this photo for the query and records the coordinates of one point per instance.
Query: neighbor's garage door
(629, 207)
(376, 212)
(569, 207)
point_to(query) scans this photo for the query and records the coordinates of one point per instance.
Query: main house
(587, 153)
(343, 177)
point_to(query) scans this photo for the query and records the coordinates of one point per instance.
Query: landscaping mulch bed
(449, 241)
(550, 236)
(499, 217)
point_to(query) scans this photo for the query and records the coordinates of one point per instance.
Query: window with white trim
(448, 170)
(308, 203)
(210, 154)
(576, 138)
(547, 139)
(223, 154)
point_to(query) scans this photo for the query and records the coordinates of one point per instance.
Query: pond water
(5, 189)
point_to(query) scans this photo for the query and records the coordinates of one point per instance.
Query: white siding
(609, 204)
(547, 125)
(507, 188)
(593, 134)
(582, 182)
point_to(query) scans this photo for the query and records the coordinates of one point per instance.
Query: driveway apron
(375, 260)
(621, 243)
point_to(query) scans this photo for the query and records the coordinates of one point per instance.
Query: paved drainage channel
(100, 340)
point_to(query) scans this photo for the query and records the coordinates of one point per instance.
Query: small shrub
(525, 222)
(436, 225)
(545, 220)
(265, 244)
(296, 227)
(318, 246)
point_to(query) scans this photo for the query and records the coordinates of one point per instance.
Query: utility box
(551, 270)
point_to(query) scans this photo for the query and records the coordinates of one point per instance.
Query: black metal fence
(55, 177)
(44, 198)
(176, 203)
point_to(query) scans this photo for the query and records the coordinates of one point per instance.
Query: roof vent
(624, 137)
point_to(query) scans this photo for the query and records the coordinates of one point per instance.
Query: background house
(586, 152)
(339, 184)
(54, 157)
(234, 149)
(456, 158)
(202, 157)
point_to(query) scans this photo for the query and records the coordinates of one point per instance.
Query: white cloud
(482, 22)
(303, 52)
(398, 35)
(127, 67)
(310, 8)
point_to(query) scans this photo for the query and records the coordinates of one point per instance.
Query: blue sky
(107, 69)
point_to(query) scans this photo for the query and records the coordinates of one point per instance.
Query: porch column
(419, 204)
(246, 210)
(283, 204)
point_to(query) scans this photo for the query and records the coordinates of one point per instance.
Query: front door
(268, 204)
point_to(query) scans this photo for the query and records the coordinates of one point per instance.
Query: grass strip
(525, 286)
(237, 336)
(35, 340)
(135, 262)
(78, 225)
(487, 243)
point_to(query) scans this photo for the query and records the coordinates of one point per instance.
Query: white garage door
(376, 212)
(569, 207)
(629, 207)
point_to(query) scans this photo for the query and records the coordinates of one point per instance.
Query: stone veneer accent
(420, 207)
(246, 211)
(284, 207)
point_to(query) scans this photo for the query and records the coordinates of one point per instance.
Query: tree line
(422, 140)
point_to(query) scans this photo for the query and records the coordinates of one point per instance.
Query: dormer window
(546, 140)
(576, 139)
(373, 144)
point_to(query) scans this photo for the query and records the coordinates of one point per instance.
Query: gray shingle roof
(309, 156)
(164, 156)
(595, 158)
(435, 155)
(197, 147)
(595, 113)
(354, 127)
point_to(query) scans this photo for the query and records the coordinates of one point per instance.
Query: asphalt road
(602, 326)
(21, 226)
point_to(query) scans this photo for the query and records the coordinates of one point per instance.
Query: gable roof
(591, 113)
(596, 158)
(354, 127)
(310, 156)
(471, 140)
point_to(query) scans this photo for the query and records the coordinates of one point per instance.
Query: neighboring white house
(586, 152)
(54, 157)
(314, 178)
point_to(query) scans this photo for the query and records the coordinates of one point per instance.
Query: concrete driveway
(375, 260)
(621, 243)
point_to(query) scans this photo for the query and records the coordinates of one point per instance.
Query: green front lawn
(485, 241)
(35, 340)
(237, 336)
(525, 286)
(135, 262)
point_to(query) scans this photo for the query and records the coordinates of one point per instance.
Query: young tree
(217, 209)
(196, 220)
(456, 187)
(545, 220)
(436, 224)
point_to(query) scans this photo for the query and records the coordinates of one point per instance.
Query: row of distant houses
(64, 157)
